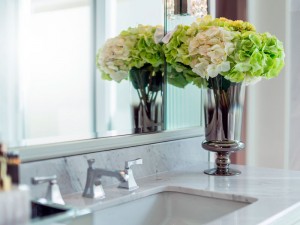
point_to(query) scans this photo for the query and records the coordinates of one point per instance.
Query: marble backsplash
(72, 170)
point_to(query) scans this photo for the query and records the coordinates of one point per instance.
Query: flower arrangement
(211, 47)
(132, 48)
(136, 55)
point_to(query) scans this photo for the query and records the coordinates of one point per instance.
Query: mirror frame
(63, 149)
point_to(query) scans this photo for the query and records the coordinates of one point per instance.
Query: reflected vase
(223, 111)
(147, 99)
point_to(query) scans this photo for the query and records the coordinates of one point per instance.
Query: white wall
(273, 122)
(294, 84)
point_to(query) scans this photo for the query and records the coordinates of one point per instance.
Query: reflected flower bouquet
(132, 48)
(136, 54)
(212, 47)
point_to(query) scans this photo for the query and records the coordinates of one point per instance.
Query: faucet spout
(93, 187)
(119, 174)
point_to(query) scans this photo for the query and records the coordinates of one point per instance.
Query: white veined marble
(71, 171)
(273, 194)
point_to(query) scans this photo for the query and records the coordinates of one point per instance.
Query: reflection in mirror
(50, 88)
(114, 108)
(49, 71)
(183, 99)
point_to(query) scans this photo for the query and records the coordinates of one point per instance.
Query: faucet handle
(91, 162)
(130, 163)
(41, 180)
(130, 182)
(53, 192)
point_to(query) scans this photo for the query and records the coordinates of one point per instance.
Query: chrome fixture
(130, 183)
(93, 187)
(53, 193)
(196, 8)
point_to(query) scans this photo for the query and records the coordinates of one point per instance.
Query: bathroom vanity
(188, 196)
(172, 189)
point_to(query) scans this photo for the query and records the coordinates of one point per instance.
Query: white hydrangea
(209, 50)
(113, 57)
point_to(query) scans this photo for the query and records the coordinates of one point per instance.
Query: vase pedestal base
(223, 149)
(217, 172)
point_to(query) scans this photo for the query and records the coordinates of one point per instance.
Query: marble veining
(157, 158)
(272, 193)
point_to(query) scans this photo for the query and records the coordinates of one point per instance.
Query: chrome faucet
(93, 187)
(53, 193)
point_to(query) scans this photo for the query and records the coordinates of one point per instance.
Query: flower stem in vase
(147, 83)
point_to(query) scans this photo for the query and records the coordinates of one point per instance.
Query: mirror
(50, 88)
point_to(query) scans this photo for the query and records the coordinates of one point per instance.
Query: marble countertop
(274, 194)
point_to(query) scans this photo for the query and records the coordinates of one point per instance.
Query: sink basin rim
(151, 205)
(140, 193)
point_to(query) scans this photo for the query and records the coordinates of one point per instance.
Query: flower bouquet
(222, 55)
(136, 55)
(231, 49)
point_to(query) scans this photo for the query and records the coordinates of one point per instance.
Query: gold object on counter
(5, 180)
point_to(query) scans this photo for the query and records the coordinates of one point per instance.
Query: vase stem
(222, 162)
(147, 95)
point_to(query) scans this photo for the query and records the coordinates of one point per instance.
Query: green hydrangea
(144, 49)
(178, 59)
(256, 56)
(232, 25)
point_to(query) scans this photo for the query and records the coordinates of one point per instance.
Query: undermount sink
(43, 212)
(176, 206)
(40, 210)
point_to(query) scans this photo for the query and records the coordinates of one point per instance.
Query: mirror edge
(63, 149)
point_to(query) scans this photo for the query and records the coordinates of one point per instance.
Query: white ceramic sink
(184, 207)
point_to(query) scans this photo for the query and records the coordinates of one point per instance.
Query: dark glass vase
(147, 97)
(223, 110)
